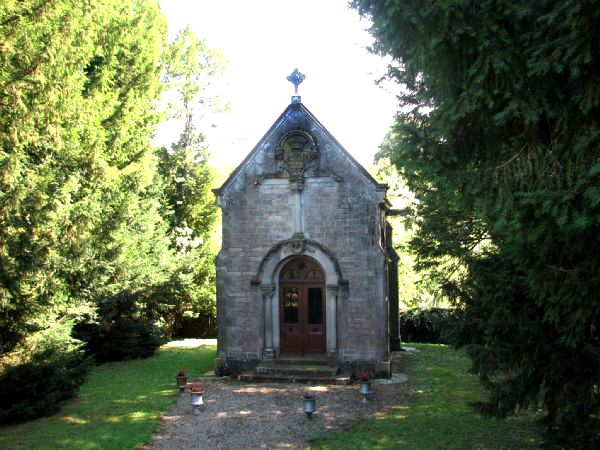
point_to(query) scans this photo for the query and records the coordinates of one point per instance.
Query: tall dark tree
(499, 140)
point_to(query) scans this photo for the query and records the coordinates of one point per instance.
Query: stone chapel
(307, 268)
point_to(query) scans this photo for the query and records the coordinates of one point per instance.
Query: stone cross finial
(296, 78)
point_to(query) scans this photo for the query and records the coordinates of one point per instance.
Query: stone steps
(297, 360)
(296, 370)
(318, 367)
(287, 378)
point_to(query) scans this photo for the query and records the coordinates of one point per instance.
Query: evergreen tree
(78, 203)
(498, 139)
(188, 204)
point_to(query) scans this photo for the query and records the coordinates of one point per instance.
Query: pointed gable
(334, 159)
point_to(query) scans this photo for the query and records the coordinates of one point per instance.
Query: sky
(263, 42)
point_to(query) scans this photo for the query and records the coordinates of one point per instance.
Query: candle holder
(182, 379)
(365, 390)
(365, 387)
(310, 405)
(196, 392)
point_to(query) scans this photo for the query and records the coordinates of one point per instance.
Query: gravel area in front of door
(240, 415)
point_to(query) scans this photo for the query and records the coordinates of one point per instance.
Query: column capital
(333, 288)
(267, 291)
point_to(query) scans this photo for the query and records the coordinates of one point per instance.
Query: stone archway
(267, 278)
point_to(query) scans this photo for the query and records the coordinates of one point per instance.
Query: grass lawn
(438, 413)
(118, 406)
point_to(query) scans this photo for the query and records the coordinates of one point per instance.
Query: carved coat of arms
(297, 153)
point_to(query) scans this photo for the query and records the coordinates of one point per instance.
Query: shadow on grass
(118, 406)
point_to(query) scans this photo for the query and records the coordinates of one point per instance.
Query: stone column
(267, 295)
(331, 318)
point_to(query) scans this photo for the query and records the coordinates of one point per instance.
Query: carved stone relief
(297, 154)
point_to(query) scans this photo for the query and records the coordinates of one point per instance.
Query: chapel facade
(307, 266)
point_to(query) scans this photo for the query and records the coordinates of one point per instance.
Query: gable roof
(378, 186)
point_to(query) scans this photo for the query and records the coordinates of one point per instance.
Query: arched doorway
(302, 308)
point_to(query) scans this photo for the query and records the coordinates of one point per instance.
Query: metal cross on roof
(296, 78)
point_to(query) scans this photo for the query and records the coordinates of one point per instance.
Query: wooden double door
(302, 308)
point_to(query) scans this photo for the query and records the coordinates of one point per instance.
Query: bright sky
(263, 41)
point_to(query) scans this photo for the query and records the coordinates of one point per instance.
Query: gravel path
(246, 415)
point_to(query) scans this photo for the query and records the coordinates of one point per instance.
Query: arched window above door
(301, 269)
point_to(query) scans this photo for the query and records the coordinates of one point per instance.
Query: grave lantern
(310, 405)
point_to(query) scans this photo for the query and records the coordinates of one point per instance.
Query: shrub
(120, 329)
(427, 325)
(204, 325)
(38, 387)
(124, 339)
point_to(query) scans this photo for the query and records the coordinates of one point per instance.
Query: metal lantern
(310, 405)
(365, 390)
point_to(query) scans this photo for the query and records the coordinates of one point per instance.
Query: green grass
(437, 414)
(118, 406)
